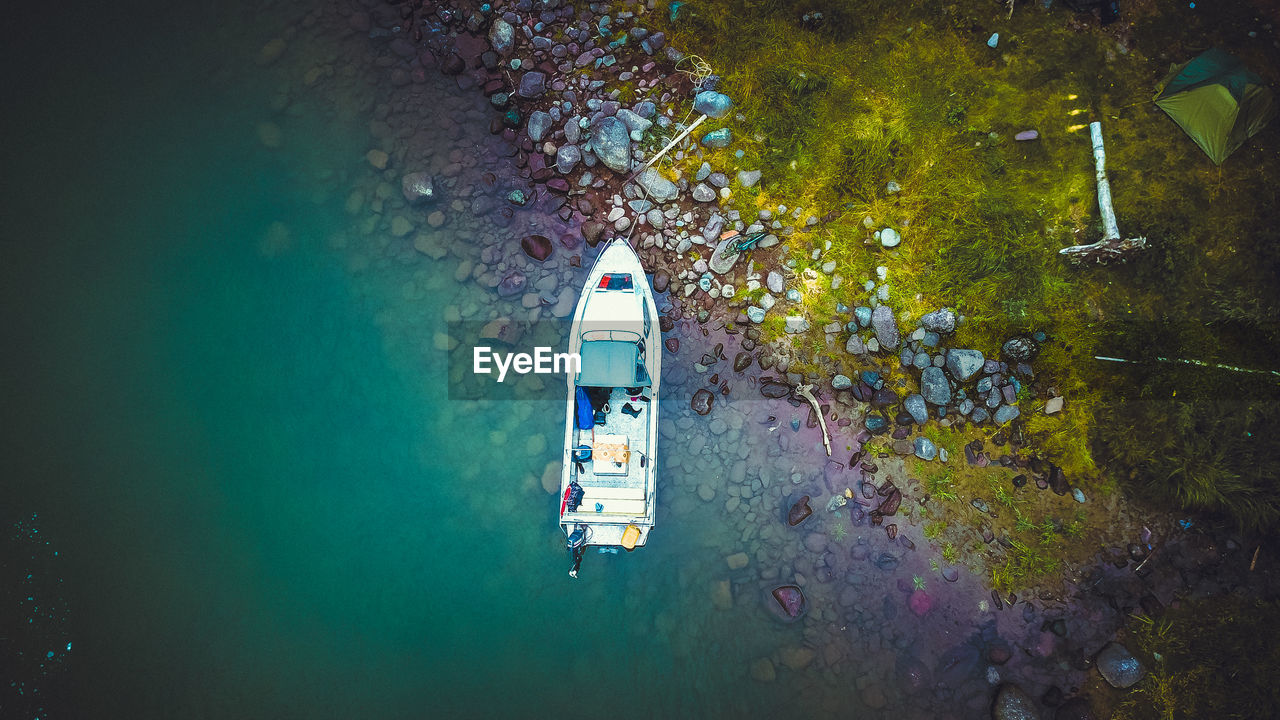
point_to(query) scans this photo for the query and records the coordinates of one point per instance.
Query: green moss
(950, 554)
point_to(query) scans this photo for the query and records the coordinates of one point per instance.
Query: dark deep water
(258, 501)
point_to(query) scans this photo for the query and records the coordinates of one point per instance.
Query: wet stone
(886, 562)
(1012, 703)
(1118, 666)
(799, 512)
(702, 400)
(773, 389)
(538, 247)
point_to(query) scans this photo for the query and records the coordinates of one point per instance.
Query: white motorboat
(609, 482)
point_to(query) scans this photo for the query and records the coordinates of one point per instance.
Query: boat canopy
(611, 363)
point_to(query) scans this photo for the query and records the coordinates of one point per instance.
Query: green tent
(1218, 102)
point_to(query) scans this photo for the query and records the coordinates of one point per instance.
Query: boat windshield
(611, 363)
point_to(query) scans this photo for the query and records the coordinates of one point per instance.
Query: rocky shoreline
(583, 97)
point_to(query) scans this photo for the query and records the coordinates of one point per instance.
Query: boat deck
(613, 488)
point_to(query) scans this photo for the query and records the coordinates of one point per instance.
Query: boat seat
(612, 507)
(612, 493)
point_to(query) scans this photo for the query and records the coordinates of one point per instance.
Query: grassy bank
(835, 108)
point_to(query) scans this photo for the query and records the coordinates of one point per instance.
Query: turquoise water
(222, 399)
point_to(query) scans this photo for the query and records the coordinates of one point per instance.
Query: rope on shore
(1187, 361)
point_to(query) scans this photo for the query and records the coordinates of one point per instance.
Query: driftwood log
(806, 392)
(1111, 246)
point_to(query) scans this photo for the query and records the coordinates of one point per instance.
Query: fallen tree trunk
(1111, 246)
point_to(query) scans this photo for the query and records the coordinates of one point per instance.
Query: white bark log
(1111, 246)
(1110, 230)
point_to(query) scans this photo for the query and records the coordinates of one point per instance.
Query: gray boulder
(712, 104)
(940, 321)
(917, 408)
(1006, 413)
(1018, 349)
(572, 130)
(501, 36)
(964, 364)
(796, 324)
(855, 346)
(659, 188)
(539, 123)
(1118, 666)
(886, 327)
(711, 231)
(934, 386)
(841, 382)
(611, 141)
(702, 193)
(532, 84)
(1013, 703)
(748, 178)
(774, 281)
(634, 122)
(925, 449)
(567, 157)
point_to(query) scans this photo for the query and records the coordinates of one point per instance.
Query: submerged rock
(1118, 666)
(799, 512)
(702, 401)
(537, 247)
(1012, 703)
(791, 599)
(920, 603)
(417, 187)
(772, 389)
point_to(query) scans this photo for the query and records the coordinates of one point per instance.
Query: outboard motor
(577, 546)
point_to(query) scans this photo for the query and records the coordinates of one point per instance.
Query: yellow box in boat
(630, 535)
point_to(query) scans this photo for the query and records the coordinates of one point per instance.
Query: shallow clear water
(221, 402)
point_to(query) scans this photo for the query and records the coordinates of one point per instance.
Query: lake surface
(224, 412)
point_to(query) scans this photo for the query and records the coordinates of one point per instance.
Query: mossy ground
(1214, 657)
(832, 110)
